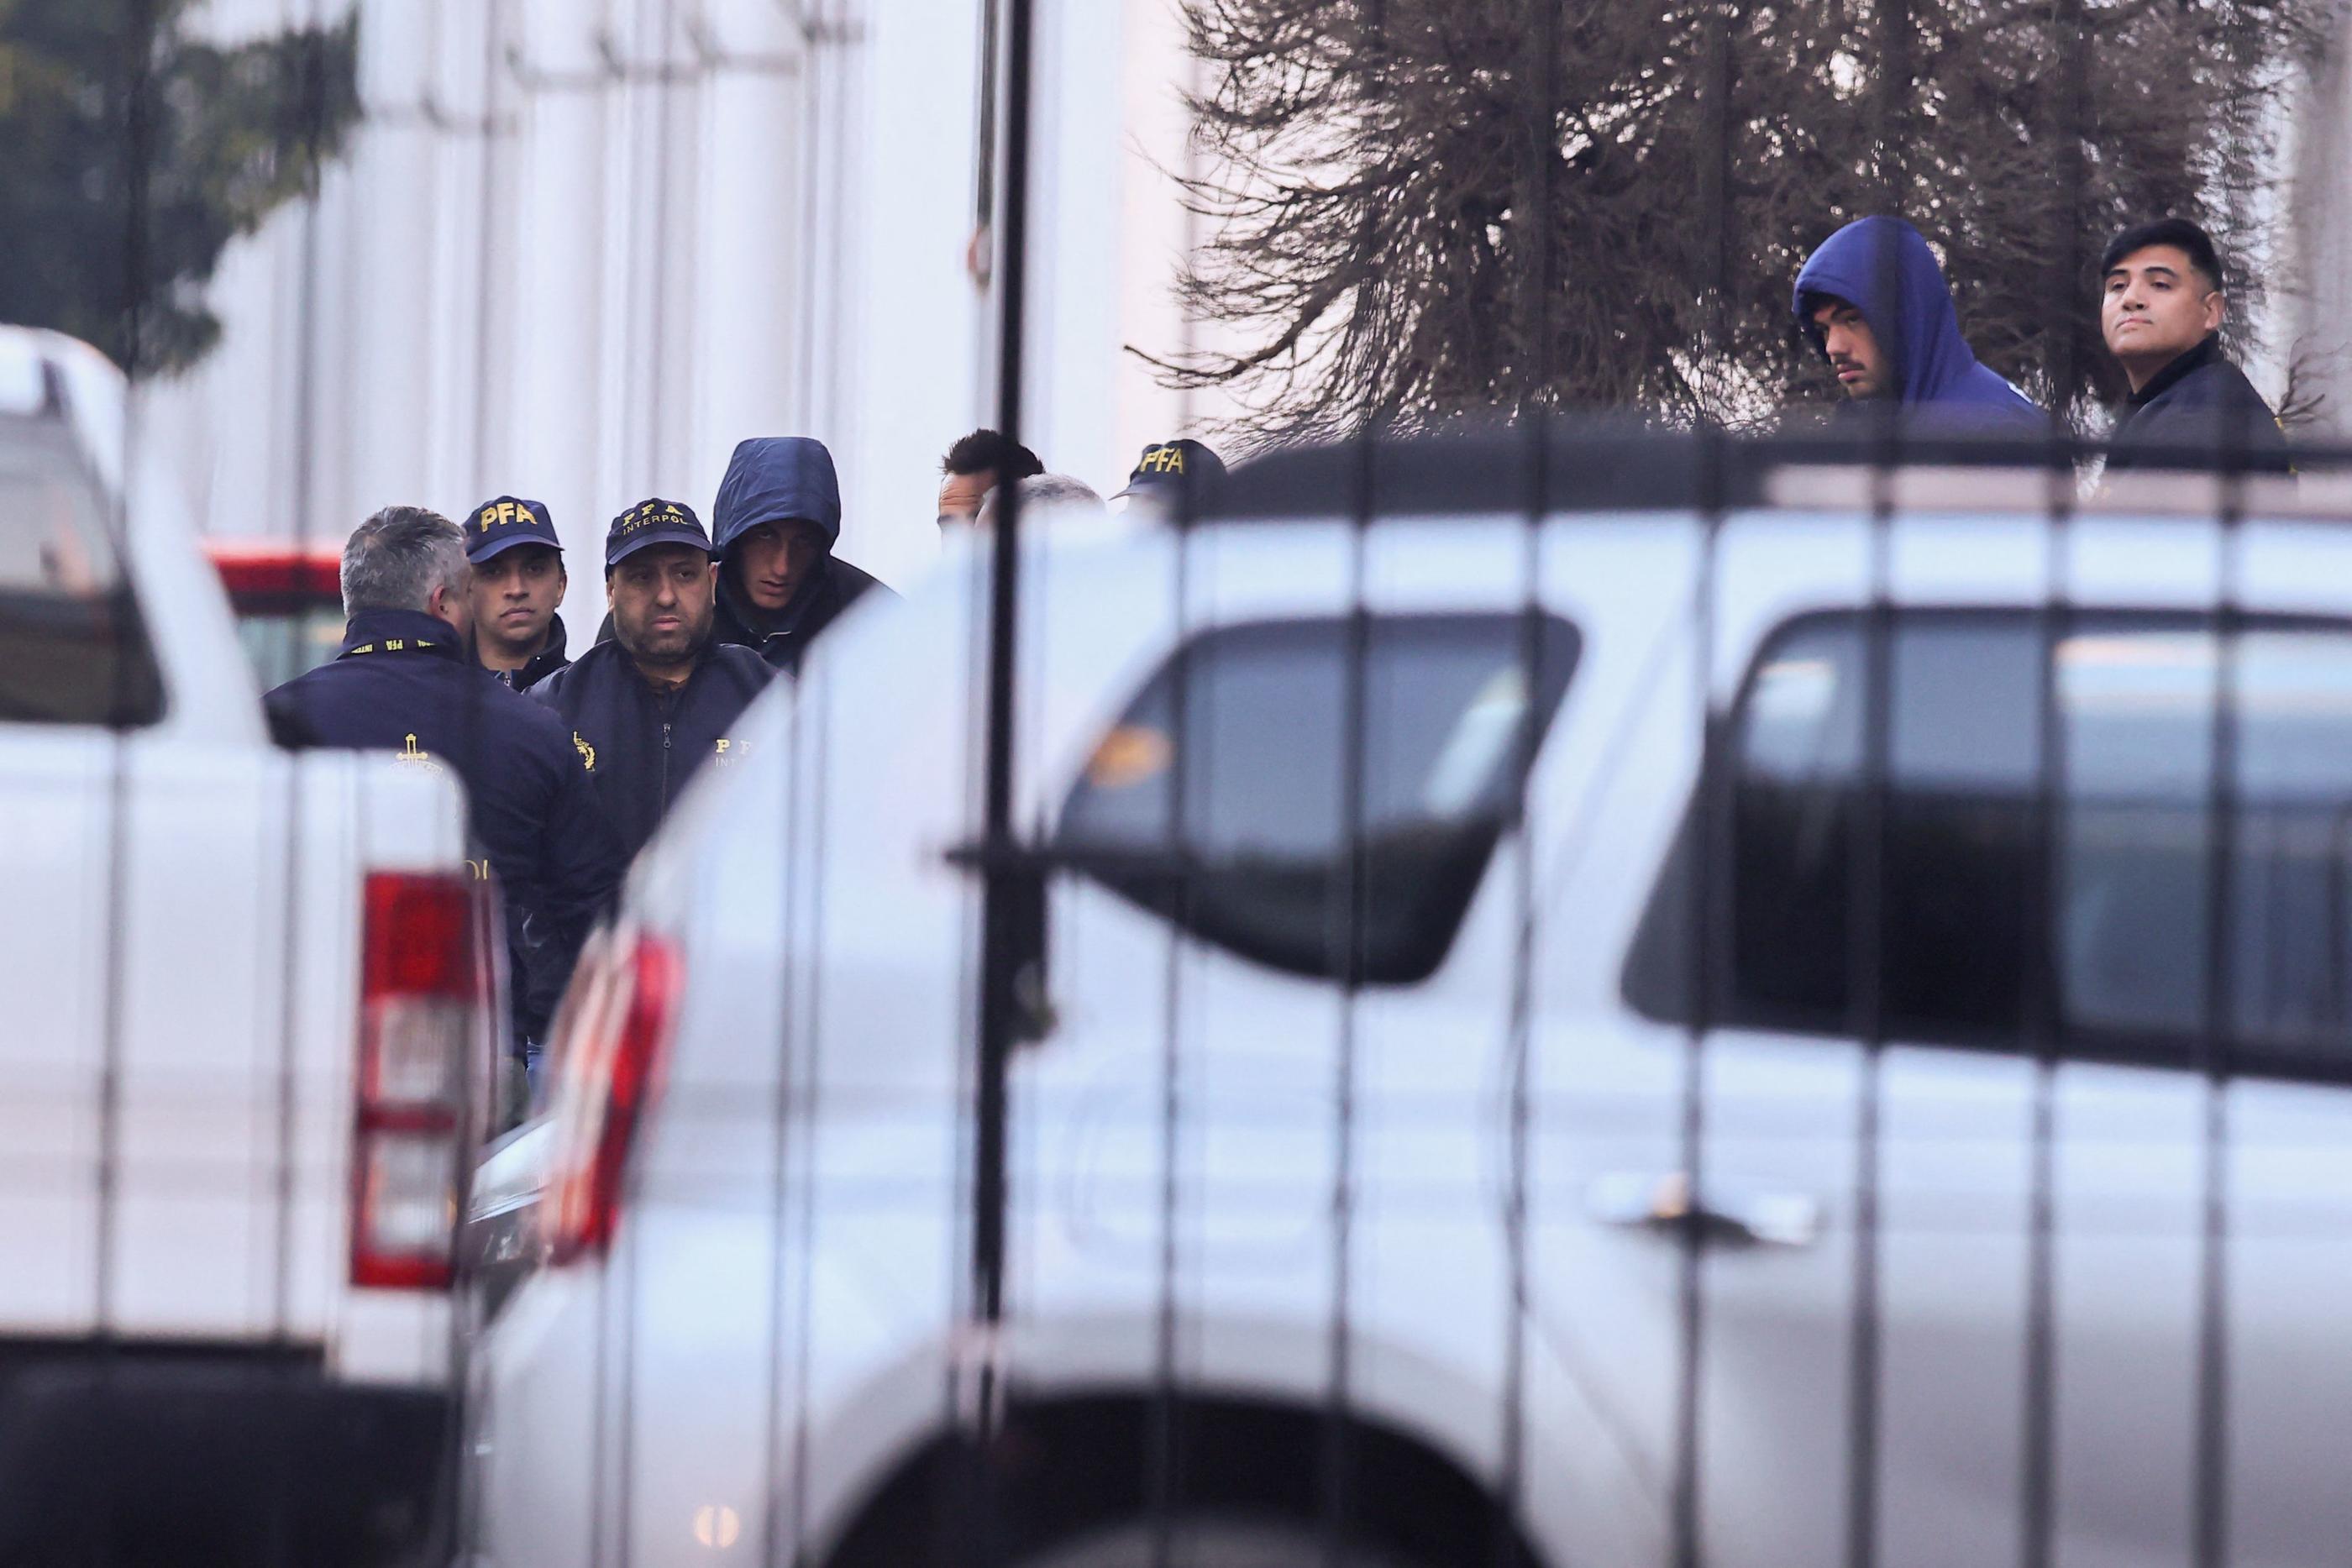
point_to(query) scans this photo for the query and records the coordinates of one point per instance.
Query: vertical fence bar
(1345, 928)
(1865, 898)
(1708, 888)
(790, 1097)
(1535, 286)
(1001, 895)
(139, 150)
(1163, 1451)
(2040, 1003)
(2209, 1495)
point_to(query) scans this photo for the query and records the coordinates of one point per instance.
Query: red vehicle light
(612, 1054)
(424, 1001)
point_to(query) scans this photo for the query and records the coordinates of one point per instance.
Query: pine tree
(136, 153)
(1418, 208)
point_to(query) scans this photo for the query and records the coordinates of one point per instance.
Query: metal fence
(1851, 1071)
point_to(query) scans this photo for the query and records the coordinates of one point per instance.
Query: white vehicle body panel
(781, 1320)
(180, 948)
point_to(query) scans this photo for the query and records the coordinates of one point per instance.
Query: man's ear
(608, 590)
(451, 604)
(2217, 305)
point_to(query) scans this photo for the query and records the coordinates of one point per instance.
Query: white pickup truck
(249, 1012)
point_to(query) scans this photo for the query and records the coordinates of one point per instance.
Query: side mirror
(1027, 902)
(1025, 899)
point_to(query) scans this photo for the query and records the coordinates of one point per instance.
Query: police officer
(1170, 470)
(519, 580)
(661, 698)
(406, 682)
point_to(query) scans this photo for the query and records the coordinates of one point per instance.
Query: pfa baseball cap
(1169, 463)
(652, 522)
(496, 526)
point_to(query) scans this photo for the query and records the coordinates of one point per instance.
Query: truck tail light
(424, 1002)
(618, 1021)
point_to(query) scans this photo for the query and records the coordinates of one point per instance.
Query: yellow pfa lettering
(1165, 460)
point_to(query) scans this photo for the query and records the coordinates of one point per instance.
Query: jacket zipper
(664, 767)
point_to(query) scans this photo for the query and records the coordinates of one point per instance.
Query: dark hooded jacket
(643, 743)
(2199, 411)
(403, 684)
(774, 479)
(542, 665)
(1884, 268)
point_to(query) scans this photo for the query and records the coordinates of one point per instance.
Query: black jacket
(781, 479)
(644, 744)
(2199, 411)
(542, 665)
(402, 683)
(833, 587)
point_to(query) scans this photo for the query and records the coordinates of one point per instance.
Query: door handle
(1665, 1204)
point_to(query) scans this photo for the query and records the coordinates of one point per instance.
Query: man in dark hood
(776, 522)
(2161, 306)
(1875, 302)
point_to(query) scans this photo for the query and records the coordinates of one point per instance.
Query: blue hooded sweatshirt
(776, 479)
(1884, 268)
(772, 479)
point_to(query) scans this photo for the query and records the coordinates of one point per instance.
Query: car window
(72, 648)
(1233, 822)
(1970, 903)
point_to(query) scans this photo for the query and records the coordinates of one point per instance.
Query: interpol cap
(496, 526)
(652, 522)
(1170, 464)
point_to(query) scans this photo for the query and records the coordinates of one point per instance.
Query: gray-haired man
(406, 682)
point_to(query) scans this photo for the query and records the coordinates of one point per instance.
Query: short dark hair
(2180, 233)
(991, 451)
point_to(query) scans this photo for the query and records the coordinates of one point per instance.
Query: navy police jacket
(643, 742)
(403, 683)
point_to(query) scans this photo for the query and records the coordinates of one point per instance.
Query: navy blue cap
(652, 522)
(495, 526)
(1173, 462)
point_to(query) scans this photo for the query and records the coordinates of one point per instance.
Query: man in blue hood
(776, 521)
(1876, 305)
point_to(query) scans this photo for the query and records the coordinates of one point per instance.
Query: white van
(1971, 1166)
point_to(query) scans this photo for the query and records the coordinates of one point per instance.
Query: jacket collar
(399, 631)
(2179, 371)
(550, 657)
